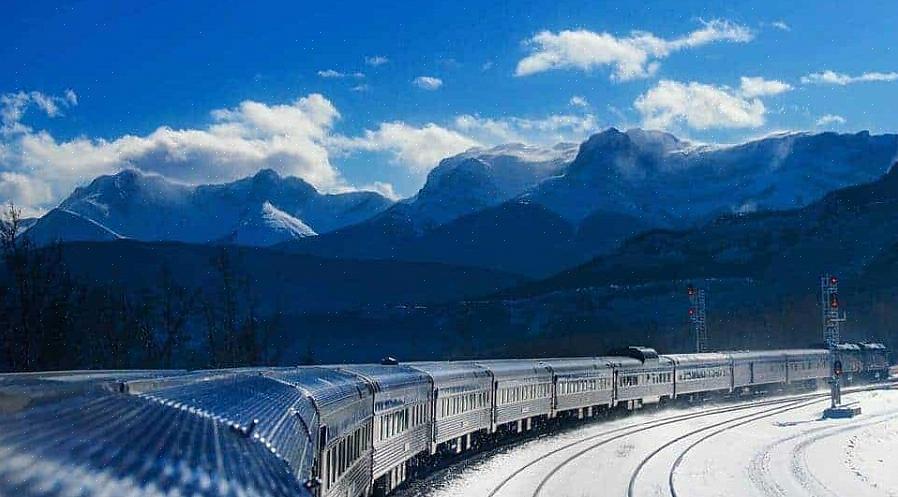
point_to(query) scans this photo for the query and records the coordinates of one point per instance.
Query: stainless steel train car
(85, 435)
(807, 365)
(462, 402)
(402, 419)
(754, 369)
(581, 384)
(338, 418)
(643, 377)
(701, 373)
(343, 430)
(875, 358)
(522, 389)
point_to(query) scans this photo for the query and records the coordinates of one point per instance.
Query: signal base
(841, 412)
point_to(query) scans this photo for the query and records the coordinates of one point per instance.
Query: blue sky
(372, 94)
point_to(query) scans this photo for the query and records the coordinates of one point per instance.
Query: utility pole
(698, 317)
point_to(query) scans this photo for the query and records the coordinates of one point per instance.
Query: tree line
(51, 321)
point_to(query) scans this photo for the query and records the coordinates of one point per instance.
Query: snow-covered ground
(760, 449)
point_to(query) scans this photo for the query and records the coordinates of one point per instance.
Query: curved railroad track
(629, 430)
(777, 406)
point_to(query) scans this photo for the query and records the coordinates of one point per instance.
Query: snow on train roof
(508, 368)
(445, 372)
(388, 377)
(872, 346)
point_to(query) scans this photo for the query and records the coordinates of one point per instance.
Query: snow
(282, 221)
(790, 451)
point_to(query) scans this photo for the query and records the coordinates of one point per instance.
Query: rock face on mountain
(852, 232)
(260, 210)
(481, 178)
(619, 184)
(667, 182)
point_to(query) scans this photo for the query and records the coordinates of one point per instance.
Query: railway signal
(833, 317)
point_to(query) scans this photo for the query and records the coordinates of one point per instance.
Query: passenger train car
(341, 430)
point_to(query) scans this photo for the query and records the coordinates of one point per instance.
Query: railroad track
(619, 433)
(726, 426)
(777, 405)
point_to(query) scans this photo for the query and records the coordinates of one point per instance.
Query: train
(345, 430)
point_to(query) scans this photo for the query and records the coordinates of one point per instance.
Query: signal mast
(833, 317)
(698, 317)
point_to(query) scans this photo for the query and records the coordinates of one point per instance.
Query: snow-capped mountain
(62, 224)
(268, 226)
(664, 181)
(258, 210)
(480, 178)
(619, 184)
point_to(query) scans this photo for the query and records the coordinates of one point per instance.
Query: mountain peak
(267, 174)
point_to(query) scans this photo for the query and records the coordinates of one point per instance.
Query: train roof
(806, 352)
(699, 358)
(247, 402)
(563, 365)
(848, 346)
(325, 385)
(100, 444)
(510, 368)
(446, 372)
(872, 346)
(751, 354)
(387, 377)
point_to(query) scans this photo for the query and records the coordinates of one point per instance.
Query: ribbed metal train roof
(566, 365)
(444, 372)
(750, 354)
(507, 368)
(118, 444)
(260, 407)
(805, 352)
(325, 385)
(692, 359)
(388, 377)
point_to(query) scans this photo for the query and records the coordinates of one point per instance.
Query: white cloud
(487, 65)
(332, 74)
(759, 87)
(290, 138)
(834, 78)
(781, 25)
(830, 120)
(360, 88)
(631, 57)
(418, 148)
(71, 97)
(376, 60)
(428, 83)
(385, 189)
(547, 130)
(699, 106)
(25, 191)
(578, 101)
(13, 107)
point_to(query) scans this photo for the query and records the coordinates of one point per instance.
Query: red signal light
(837, 368)
(834, 301)
(692, 311)
(833, 280)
